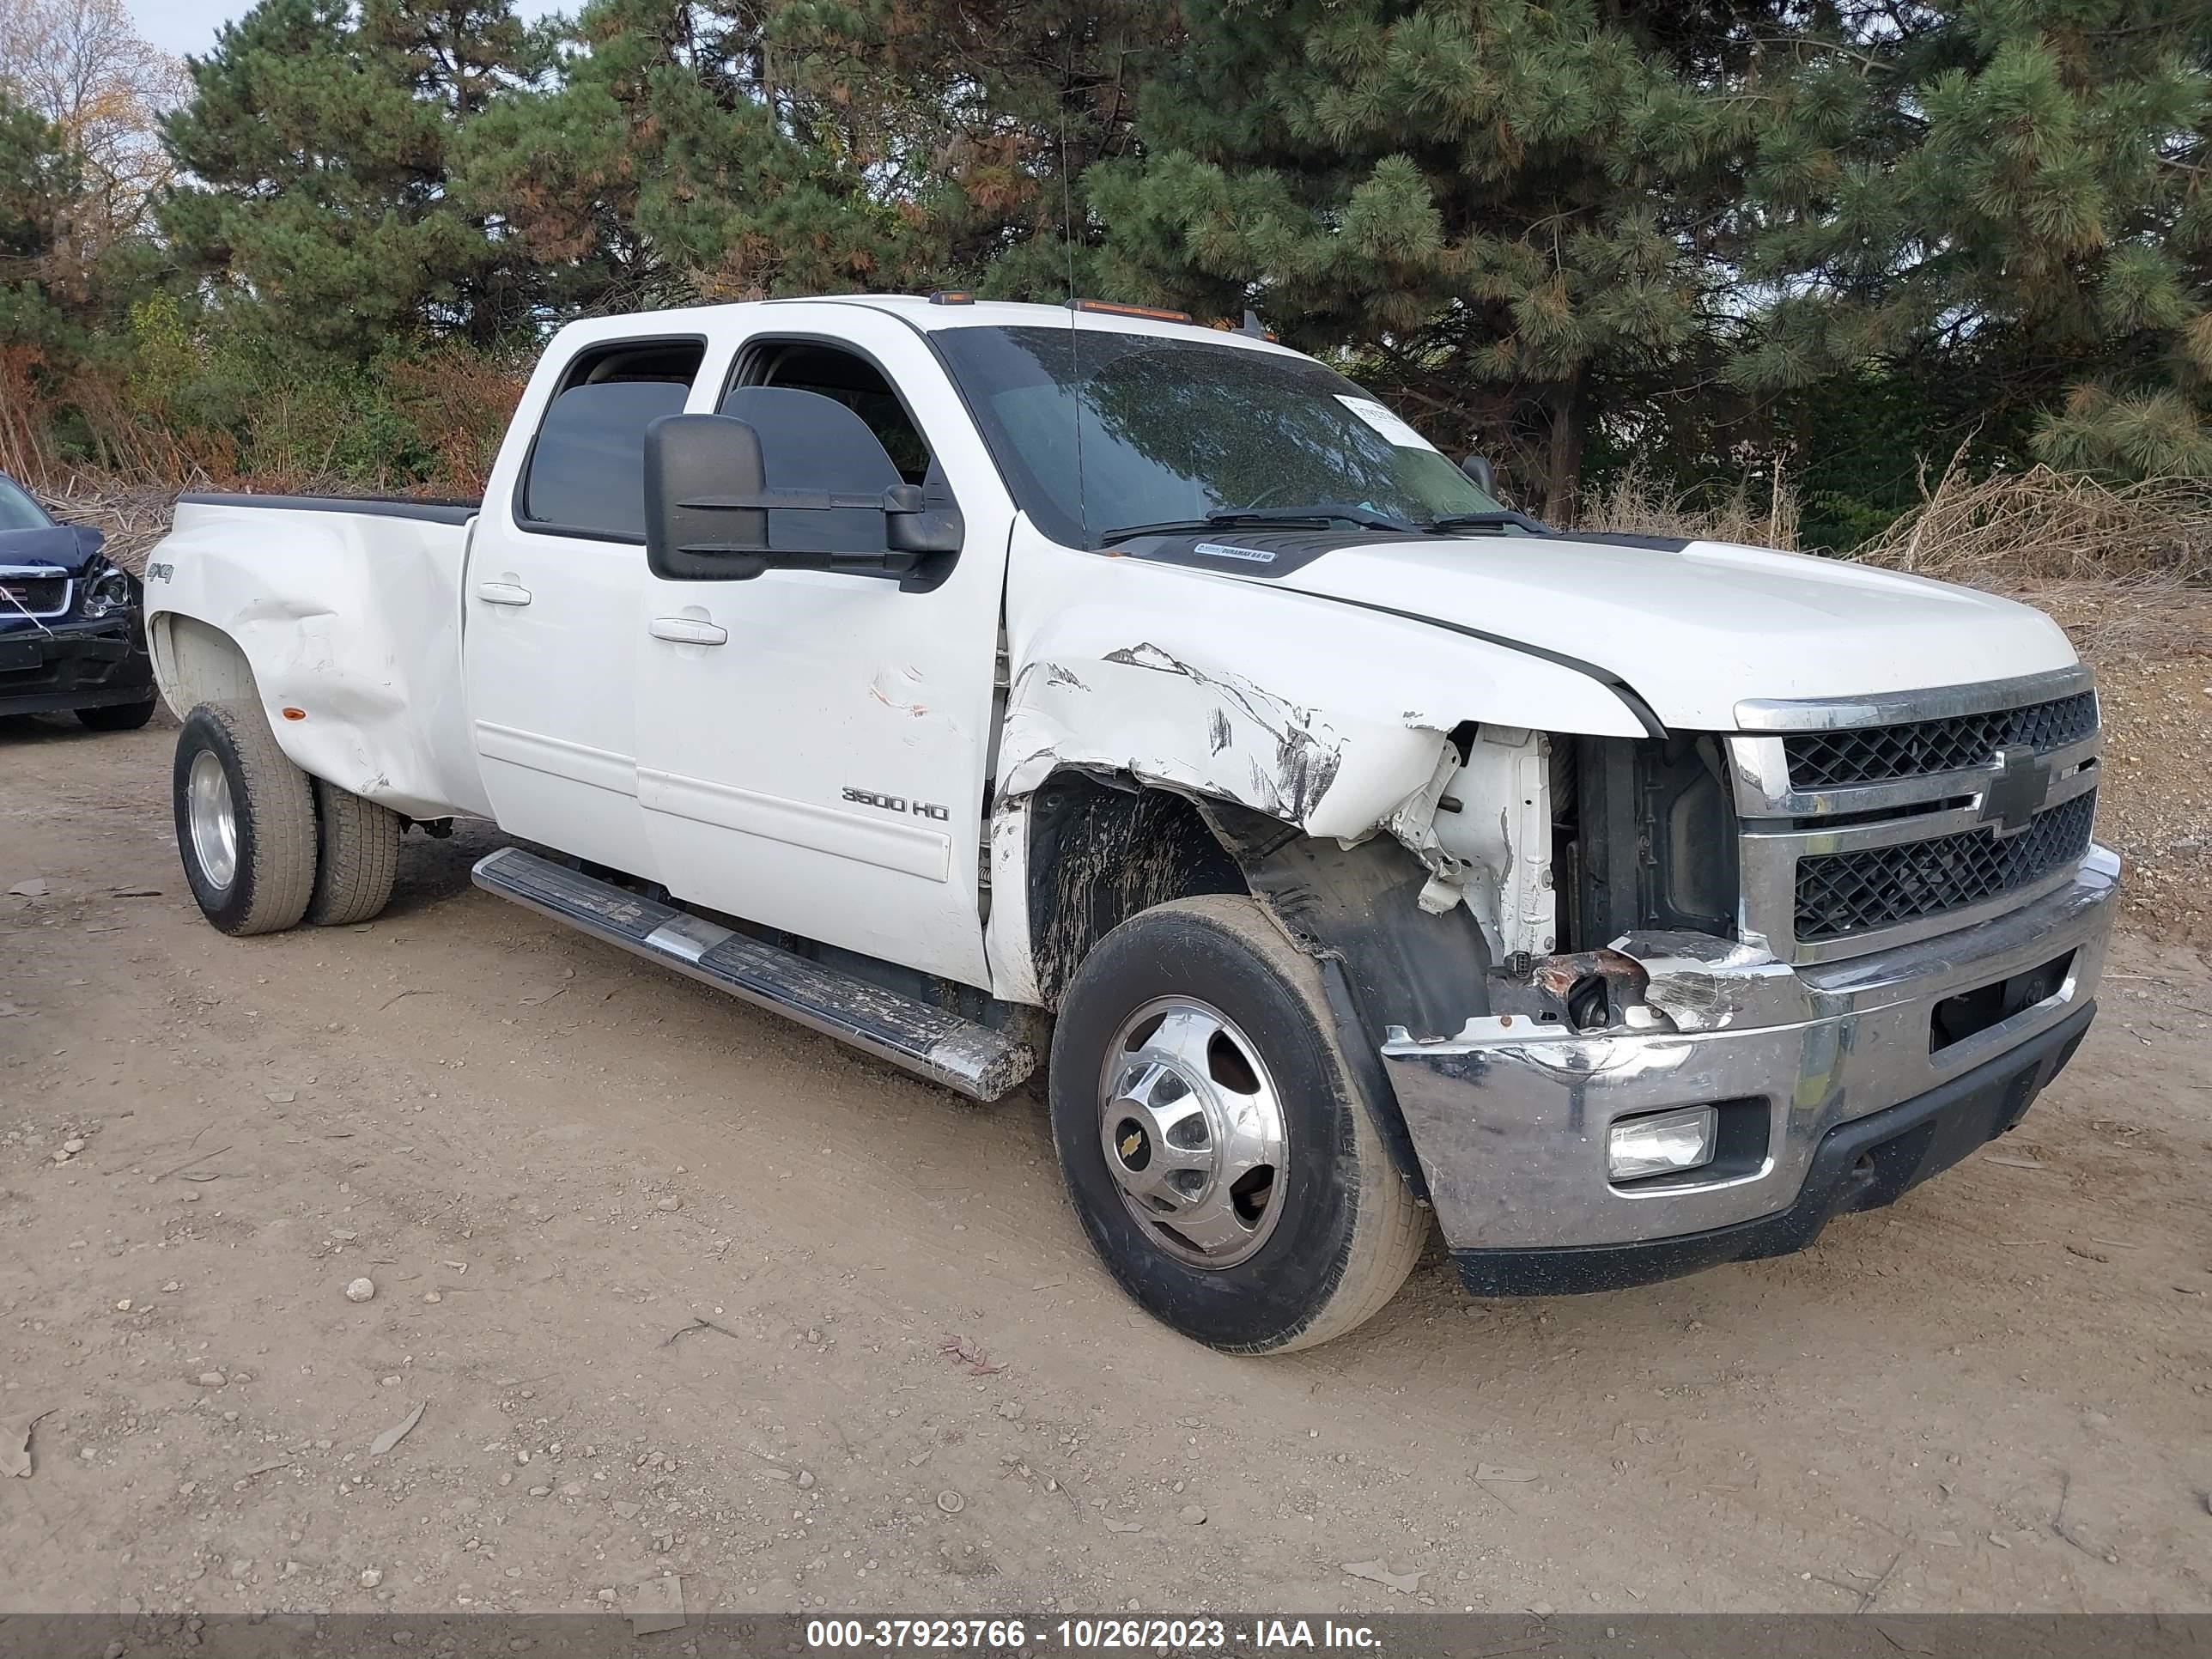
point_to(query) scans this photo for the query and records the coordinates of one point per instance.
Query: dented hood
(1696, 630)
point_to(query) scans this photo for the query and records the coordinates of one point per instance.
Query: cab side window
(829, 419)
(586, 474)
(809, 441)
(843, 377)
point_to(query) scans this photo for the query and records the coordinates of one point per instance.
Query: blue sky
(189, 26)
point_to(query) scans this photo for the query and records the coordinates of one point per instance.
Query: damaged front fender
(1338, 721)
(1206, 729)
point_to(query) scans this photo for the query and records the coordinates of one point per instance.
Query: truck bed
(347, 609)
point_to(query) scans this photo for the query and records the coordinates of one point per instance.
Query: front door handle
(503, 593)
(688, 630)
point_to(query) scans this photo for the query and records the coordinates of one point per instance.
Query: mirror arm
(931, 535)
(789, 501)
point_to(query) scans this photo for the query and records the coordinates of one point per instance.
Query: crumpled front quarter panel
(1322, 715)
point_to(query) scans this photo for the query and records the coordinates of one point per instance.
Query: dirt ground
(678, 1288)
(2154, 804)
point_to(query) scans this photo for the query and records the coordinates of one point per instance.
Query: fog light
(1664, 1143)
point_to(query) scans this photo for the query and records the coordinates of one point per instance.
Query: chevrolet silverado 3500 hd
(993, 684)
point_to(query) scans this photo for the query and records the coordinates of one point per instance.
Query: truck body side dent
(357, 626)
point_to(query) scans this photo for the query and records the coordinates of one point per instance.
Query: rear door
(814, 746)
(551, 599)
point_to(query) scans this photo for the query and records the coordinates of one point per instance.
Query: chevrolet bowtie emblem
(2016, 794)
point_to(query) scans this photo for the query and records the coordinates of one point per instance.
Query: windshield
(18, 511)
(1174, 429)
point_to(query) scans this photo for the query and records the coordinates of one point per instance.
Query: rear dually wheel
(245, 821)
(357, 856)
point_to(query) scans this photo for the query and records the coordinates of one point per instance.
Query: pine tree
(682, 156)
(721, 150)
(983, 119)
(39, 182)
(318, 144)
(2009, 190)
(1508, 210)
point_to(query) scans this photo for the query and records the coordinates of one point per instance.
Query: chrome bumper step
(932, 1042)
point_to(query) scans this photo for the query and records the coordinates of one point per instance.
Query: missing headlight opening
(1644, 835)
(108, 592)
(1642, 840)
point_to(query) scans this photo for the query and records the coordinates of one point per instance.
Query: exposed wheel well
(194, 662)
(1103, 848)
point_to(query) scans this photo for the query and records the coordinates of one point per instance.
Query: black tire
(118, 717)
(274, 869)
(1348, 1232)
(357, 857)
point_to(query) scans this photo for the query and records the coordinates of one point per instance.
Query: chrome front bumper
(1510, 1116)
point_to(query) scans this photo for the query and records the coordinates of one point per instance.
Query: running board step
(930, 1041)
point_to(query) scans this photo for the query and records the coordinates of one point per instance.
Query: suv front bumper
(74, 663)
(1836, 1098)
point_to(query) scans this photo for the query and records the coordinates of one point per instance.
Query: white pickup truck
(994, 685)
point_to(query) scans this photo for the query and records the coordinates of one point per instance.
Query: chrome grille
(1917, 748)
(1866, 822)
(1880, 887)
(35, 592)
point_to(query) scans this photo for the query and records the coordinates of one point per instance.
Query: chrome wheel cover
(1193, 1133)
(213, 819)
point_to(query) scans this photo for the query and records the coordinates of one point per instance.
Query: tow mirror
(703, 481)
(707, 499)
(1485, 476)
(912, 525)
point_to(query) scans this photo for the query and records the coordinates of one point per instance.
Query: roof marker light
(1108, 308)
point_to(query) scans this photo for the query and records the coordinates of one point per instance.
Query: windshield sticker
(1223, 551)
(1385, 422)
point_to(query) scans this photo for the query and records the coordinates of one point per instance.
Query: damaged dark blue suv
(72, 629)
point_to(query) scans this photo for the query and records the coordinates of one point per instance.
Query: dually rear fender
(344, 628)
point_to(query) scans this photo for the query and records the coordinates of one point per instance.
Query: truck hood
(1697, 629)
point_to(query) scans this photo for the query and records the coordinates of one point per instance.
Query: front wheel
(246, 821)
(1212, 1137)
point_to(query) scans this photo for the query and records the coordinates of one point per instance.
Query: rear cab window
(586, 471)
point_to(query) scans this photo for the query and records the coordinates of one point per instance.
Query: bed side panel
(350, 618)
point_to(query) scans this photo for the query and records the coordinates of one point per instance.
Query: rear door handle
(688, 630)
(503, 593)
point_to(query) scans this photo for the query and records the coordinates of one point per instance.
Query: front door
(814, 746)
